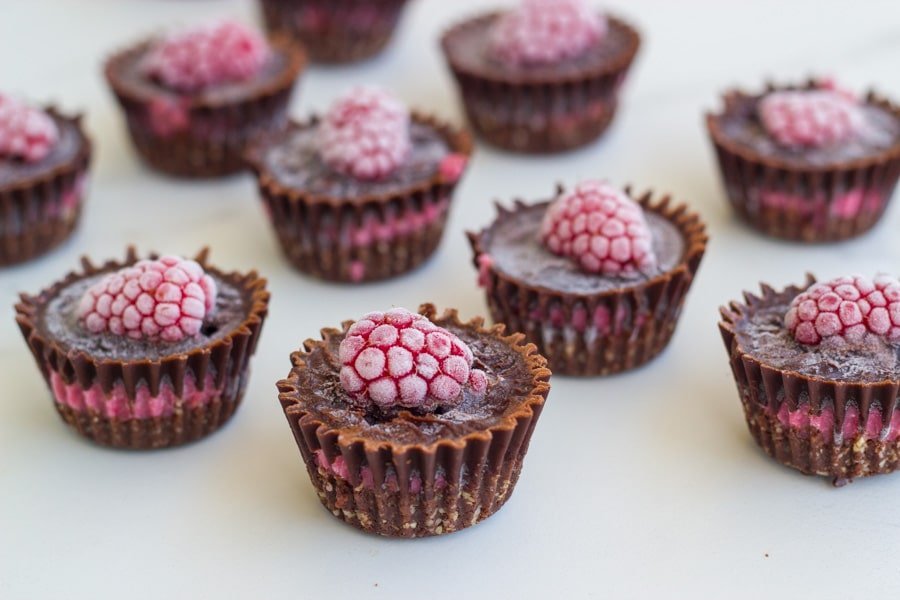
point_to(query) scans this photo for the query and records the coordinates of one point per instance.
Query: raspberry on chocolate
(399, 359)
(167, 298)
(365, 134)
(213, 54)
(26, 133)
(810, 118)
(546, 31)
(848, 308)
(601, 228)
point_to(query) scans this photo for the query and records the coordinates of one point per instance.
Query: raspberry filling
(167, 298)
(399, 359)
(207, 55)
(601, 229)
(541, 32)
(365, 134)
(26, 133)
(810, 118)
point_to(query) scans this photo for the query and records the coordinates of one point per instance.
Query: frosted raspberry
(847, 307)
(166, 298)
(216, 53)
(546, 31)
(26, 133)
(810, 118)
(601, 228)
(365, 134)
(401, 359)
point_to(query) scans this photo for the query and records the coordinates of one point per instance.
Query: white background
(641, 485)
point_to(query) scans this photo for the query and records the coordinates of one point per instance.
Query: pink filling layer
(844, 206)
(801, 418)
(168, 116)
(339, 469)
(376, 230)
(117, 404)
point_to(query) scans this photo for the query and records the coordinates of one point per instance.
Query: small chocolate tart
(588, 324)
(828, 409)
(40, 202)
(111, 375)
(408, 474)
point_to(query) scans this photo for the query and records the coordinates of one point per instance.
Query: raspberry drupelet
(848, 308)
(166, 299)
(546, 32)
(399, 359)
(26, 133)
(600, 228)
(810, 118)
(365, 134)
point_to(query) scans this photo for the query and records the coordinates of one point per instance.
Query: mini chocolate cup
(766, 391)
(198, 136)
(315, 231)
(40, 212)
(335, 31)
(805, 203)
(218, 369)
(554, 114)
(460, 481)
(603, 333)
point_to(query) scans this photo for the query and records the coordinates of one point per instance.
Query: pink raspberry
(847, 307)
(452, 167)
(401, 359)
(166, 298)
(601, 228)
(546, 31)
(199, 57)
(26, 133)
(365, 134)
(810, 118)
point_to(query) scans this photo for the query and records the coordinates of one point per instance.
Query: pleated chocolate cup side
(596, 334)
(40, 212)
(202, 135)
(806, 203)
(329, 39)
(414, 490)
(766, 390)
(223, 362)
(314, 230)
(521, 113)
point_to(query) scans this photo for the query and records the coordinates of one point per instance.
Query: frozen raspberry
(400, 359)
(166, 298)
(810, 118)
(207, 55)
(26, 133)
(847, 307)
(365, 134)
(601, 228)
(546, 31)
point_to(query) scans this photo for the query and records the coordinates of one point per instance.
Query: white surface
(642, 485)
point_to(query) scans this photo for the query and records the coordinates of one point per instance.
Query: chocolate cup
(764, 389)
(188, 149)
(224, 361)
(325, 28)
(819, 219)
(479, 469)
(641, 317)
(555, 114)
(300, 218)
(47, 206)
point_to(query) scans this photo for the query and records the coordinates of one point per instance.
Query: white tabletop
(642, 485)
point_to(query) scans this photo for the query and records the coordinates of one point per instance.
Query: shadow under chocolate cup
(417, 475)
(371, 235)
(186, 392)
(605, 331)
(41, 203)
(819, 424)
(810, 203)
(202, 134)
(335, 31)
(543, 109)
